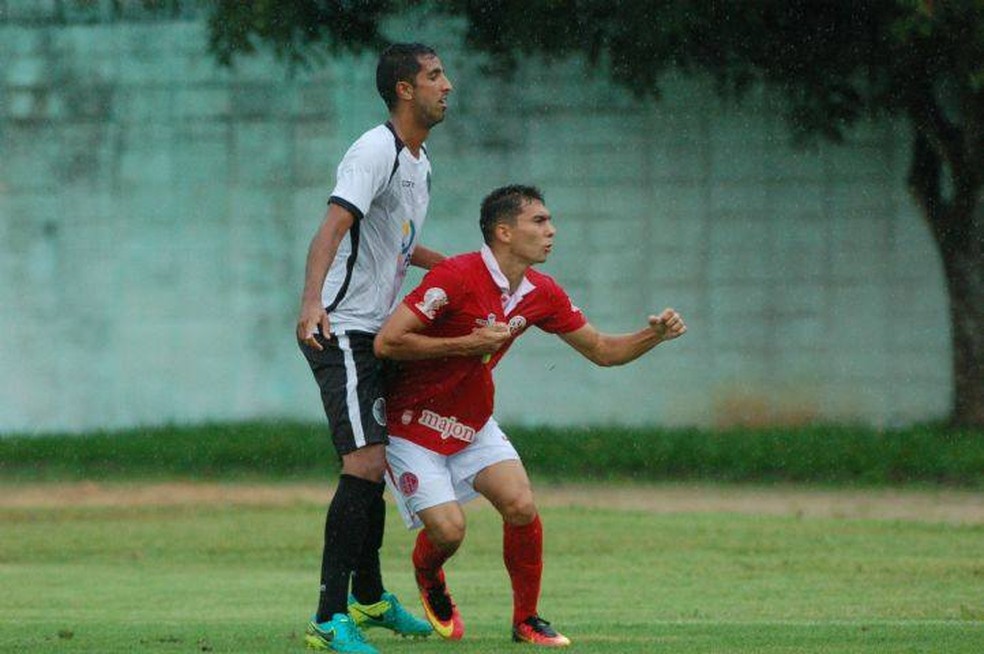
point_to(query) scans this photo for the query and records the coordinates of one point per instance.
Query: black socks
(353, 532)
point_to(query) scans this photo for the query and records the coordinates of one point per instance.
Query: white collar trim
(509, 302)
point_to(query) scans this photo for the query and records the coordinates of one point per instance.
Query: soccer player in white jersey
(355, 265)
(445, 446)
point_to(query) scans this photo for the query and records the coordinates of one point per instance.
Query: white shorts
(420, 478)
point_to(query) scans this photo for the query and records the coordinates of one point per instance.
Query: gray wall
(155, 212)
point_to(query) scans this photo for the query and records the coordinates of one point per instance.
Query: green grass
(218, 578)
(278, 450)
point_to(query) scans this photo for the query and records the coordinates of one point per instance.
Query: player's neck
(514, 269)
(410, 132)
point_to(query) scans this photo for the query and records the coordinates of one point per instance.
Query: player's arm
(425, 257)
(400, 339)
(324, 245)
(617, 349)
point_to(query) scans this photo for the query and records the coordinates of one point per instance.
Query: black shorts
(351, 381)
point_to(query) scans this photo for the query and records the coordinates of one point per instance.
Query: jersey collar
(509, 302)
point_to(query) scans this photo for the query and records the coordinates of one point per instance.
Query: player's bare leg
(444, 529)
(508, 488)
(367, 462)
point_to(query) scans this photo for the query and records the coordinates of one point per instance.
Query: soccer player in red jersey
(445, 447)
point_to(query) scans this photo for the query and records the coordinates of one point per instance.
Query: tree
(836, 62)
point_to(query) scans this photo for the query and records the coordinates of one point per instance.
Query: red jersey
(441, 403)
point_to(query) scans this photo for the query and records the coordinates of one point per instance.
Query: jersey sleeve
(362, 175)
(563, 316)
(439, 290)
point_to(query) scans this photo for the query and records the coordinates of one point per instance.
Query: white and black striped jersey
(388, 191)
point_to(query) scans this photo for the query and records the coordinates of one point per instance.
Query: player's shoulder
(380, 135)
(460, 263)
(456, 269)
(543, 280)
(376, 144)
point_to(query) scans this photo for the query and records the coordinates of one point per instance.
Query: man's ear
(404, 90)
(503, 232)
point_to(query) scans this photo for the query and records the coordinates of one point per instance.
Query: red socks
(427, 561)
(522, 551)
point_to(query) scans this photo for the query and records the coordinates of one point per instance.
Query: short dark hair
(400, 62)
(503, 205)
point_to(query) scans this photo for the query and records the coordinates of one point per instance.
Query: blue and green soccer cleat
(340, 634)
(388, 613)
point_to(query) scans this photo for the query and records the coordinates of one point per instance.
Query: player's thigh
(490, 447)
(349, 377)
(367, 462)
(507, 486)
(418, 479)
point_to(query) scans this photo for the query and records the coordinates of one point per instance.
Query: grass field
(136, 568)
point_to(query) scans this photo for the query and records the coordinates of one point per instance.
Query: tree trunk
(959, 234)
(964, 271)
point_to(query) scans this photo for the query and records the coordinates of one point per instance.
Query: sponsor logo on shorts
(379, 411)
(406, 417)
(408, 484)
(434, 299)
(448, 427)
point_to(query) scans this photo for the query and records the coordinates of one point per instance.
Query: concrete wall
(155, 212)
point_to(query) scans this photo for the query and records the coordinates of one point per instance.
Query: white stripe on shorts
(352, 392)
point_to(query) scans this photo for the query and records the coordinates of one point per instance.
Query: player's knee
(447, 534)
(366, 463)
(520, 510)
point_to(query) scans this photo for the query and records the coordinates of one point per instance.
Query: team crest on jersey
(409, 233)
(517, 324)
(434, 299)
(407, 417)
(408, 484)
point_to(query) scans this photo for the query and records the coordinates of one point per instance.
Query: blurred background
(156, 205)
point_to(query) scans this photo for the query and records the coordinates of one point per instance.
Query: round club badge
(408, 484)
(379, 411)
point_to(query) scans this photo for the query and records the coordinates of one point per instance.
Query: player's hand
(668, 325)
(313, 315)
(489, 338)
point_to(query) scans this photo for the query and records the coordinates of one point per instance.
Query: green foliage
(834, 61)
(834, 455)
(296, 31)
(264, 449)
(826, 455)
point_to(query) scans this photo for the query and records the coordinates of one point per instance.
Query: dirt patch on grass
(951, 506)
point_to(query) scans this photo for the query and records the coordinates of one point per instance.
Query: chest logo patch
(448, 427)
(409, 233)
(517, 324)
